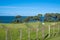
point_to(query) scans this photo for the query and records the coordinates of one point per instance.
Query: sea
(9, 19)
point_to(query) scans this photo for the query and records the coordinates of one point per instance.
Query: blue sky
(28, 7)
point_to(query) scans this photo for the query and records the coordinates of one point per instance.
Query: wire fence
(38, 33)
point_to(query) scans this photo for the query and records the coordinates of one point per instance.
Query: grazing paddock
(30, 31)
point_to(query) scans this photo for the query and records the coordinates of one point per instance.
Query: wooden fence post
(11, 35)
(6, 34)
(28, 33)
(49, 30)
(37, 33)
(54, 24)
(58, 29)
(20, 34)
(43, 30)
(53, 30)
(42, 33)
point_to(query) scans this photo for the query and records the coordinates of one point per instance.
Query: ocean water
(8, 19)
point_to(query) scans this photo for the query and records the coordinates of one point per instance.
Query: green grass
(54, 38)
(14, 30)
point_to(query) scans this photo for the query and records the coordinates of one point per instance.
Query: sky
(28, 7)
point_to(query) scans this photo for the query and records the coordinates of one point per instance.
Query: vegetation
(26, 30)
(51, 17)
(48, 17)
(14, 31)
(17, 19)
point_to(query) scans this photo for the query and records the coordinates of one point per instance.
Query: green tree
(36, 18)
(17, 19)
(26, 19)
(39, 15)
(52, 17)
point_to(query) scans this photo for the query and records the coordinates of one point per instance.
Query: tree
(36, 18)
(58, 16)
(26, 19)
(39, 15)
(47, 17)
(17, 19)
(51, 17)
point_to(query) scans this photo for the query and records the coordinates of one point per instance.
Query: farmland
(30, 31)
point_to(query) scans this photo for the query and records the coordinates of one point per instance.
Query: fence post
(37, 33)
(6, 33)
(49, 30)
(43, 30)
(20, 34)
(11, 35)
(28, 33)
(53, 30)
(58, 29)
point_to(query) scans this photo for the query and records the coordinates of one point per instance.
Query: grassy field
(14, 31)
(55, 38)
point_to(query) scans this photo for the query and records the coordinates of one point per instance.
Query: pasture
(30, 31)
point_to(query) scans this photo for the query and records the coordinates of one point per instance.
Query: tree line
(48, 17)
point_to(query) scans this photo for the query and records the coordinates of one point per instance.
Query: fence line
(37, 32)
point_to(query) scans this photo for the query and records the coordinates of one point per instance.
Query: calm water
(8, 19)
